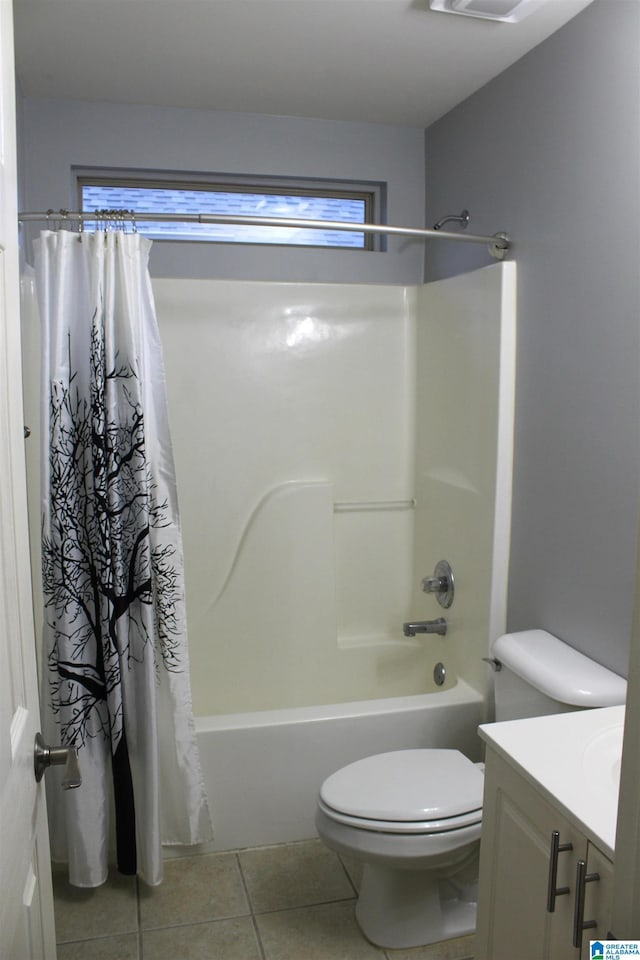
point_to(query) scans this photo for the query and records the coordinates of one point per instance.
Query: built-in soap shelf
(361, 506)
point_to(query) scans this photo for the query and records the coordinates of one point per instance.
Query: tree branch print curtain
(115, 660)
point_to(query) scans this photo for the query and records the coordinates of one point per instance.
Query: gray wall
(550, 152)
(60, 134)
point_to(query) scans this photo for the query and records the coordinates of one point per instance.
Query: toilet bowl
(413, 817)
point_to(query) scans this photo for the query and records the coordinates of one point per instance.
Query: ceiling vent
(508, 11)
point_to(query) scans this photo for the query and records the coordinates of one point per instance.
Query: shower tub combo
(308, 523)
(313, 508)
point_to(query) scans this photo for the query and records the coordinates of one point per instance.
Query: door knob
(45, 756)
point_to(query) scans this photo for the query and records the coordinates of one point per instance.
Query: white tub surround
(303, 414)
(292, 412)
(465, 395)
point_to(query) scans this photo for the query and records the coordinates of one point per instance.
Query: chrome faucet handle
(434, 584)
(441, 584)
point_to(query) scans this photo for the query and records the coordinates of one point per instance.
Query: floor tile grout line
(238, 851)
(197, 923)
(98, 937)
(348, 875)
(245, 885)
(258, 936)
(305, 906)
(254, 922)
(257, 914)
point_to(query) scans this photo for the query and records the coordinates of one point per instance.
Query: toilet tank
(540, 675)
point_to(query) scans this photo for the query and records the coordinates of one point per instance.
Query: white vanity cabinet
(529, 898)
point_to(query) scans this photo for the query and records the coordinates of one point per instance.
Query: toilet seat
(406, 791)
(404, 826)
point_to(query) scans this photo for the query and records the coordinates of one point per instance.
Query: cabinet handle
(552, 890)
(579, 923)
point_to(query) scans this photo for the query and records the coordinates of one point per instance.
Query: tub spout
(425, 626)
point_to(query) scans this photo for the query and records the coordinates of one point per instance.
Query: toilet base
(411, 908)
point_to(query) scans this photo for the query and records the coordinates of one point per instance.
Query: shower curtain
(115, 662)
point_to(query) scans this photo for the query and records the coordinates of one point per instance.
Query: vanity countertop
(573, 759)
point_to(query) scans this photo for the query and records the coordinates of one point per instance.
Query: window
(284, 200)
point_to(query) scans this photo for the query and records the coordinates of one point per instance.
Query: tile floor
(287, 902)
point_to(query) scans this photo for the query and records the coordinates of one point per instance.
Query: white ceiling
(382, 61)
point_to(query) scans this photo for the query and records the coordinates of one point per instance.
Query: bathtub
(263, 770)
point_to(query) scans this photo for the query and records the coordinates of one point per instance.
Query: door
(26, 903)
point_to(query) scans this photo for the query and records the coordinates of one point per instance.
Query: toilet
(414, 817)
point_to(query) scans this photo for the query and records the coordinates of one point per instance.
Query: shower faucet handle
(441, 584)
(434, 584)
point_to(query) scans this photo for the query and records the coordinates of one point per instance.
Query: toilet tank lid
(559, 671)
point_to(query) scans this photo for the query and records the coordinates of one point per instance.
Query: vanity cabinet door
(513, 915)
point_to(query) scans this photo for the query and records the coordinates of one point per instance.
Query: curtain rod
(498, 243)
